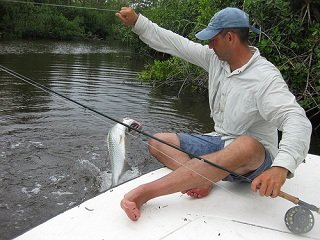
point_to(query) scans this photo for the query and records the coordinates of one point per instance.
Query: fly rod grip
(289, 197)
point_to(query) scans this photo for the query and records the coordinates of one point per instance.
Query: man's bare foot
(200, 192)
(131, 209)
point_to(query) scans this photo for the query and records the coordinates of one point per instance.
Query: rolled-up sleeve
(169, 42)
(278, 105)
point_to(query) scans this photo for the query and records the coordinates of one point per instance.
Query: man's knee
(251, 146)
(250, 141)
(248, 154)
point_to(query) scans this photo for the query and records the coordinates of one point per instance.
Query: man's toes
(199, 192)
(130, 209)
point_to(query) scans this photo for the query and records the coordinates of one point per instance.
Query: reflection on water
(52, 152)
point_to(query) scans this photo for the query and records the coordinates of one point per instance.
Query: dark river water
(53, 152)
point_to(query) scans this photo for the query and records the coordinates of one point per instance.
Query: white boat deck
(231, 211)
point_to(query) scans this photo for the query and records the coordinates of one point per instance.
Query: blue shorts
(199, 145)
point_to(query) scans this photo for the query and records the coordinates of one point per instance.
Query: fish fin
(126, 167)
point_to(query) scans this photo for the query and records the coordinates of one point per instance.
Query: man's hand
(128, 16)
(270, 182)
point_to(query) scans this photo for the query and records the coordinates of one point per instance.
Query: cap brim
(256, 30)
(207, 34)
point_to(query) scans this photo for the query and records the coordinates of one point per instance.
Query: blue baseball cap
(226, 18)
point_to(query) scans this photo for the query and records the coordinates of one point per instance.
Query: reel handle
(297, 201)
(289, 197)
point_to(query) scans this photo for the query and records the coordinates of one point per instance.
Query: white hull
(231, 211)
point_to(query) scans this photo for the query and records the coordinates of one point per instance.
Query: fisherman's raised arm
(164, 40)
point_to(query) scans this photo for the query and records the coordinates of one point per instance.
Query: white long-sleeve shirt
(252, 100)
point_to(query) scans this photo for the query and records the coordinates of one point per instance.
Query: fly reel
(299, 220)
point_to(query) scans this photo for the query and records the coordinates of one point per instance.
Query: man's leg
(170, 157)
(243, 155)
(173, 159)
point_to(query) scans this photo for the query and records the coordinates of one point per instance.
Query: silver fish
(116, 148)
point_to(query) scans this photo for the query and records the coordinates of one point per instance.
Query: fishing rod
(298, 219)
(59, 5)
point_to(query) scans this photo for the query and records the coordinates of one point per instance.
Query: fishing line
(284, 195)
(60, 5)
(30, 81)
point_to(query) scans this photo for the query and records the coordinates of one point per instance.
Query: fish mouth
(135, 125)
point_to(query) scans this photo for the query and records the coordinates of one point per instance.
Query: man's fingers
(276, 191)
(122, 18)
(255, 185)
(127, 16)
(258, 185)
(126, 9)
(270, 182)
(265, 189)
(269, 190)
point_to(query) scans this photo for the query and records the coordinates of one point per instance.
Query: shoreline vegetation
(290, 38)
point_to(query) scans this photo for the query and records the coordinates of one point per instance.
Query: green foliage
(176, 15)
(175, 72)
(44, 25)
(157, 71)
(42, 21)
(291, 42)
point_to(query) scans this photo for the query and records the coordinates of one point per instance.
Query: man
(249, 101)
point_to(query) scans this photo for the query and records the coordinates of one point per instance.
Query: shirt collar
(254, 57)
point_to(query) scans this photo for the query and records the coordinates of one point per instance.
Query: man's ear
(231, 36)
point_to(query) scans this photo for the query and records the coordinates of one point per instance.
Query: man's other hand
(270, 182)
